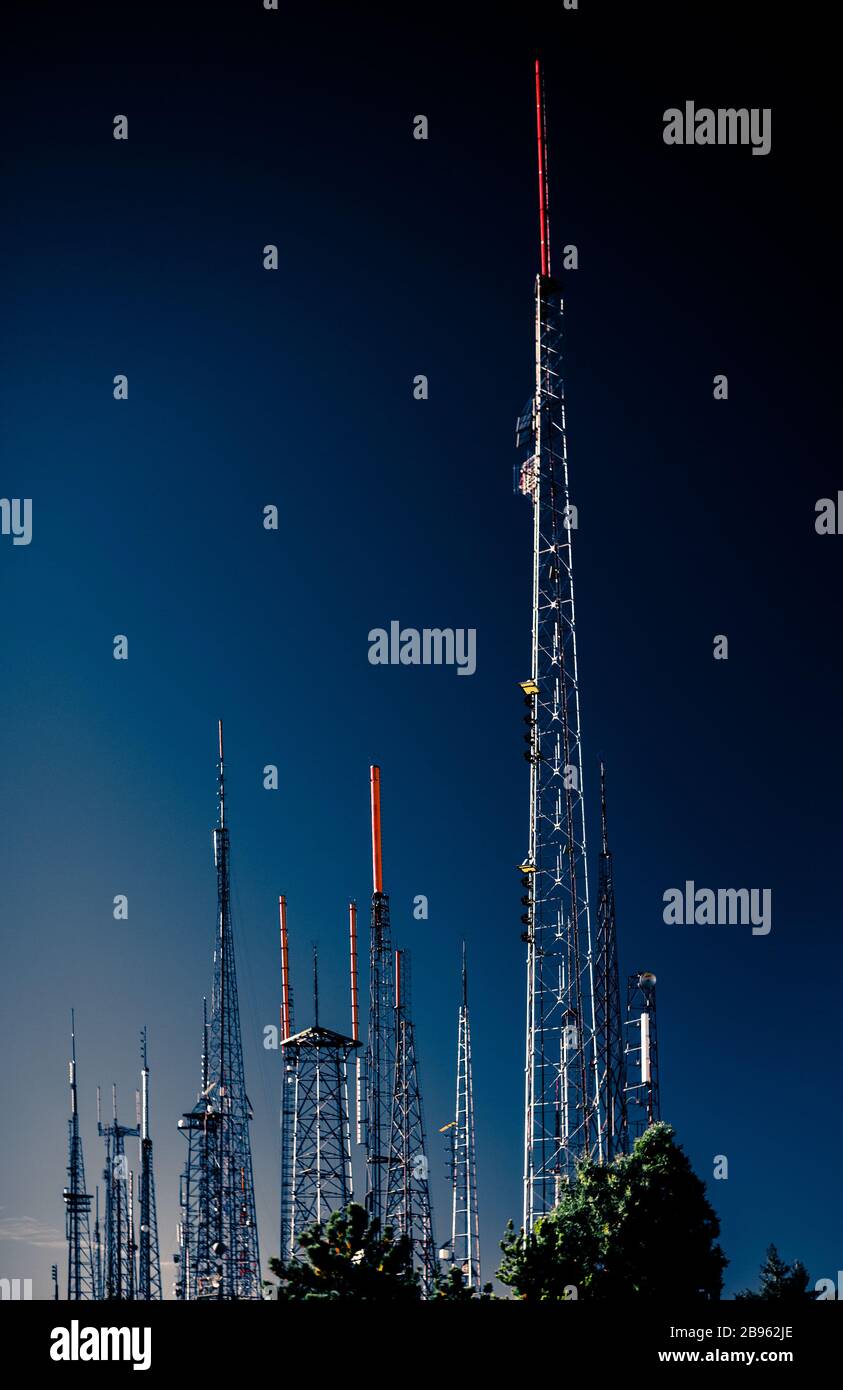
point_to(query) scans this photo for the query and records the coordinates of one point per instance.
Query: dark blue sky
(399, 257)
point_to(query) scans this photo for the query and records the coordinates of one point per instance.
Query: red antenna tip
(377, 854)
(541, 141)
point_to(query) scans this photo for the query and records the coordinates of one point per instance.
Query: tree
(641, 1227)
(349, 1258)
(787, 1283)
(452, 1288)
(561, 1257)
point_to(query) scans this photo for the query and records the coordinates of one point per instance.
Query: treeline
(641, 1227)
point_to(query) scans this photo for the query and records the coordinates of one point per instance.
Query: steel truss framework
(643, 1101)
(77, 1201)
(220, 1256)
(320, 1143)
(119, 1271)
(381, 1038)
(608, 1032)
(288, 1091)
(465, 1235)
(562, 1121)
(316, 1169)
(149, 1262)
(380, 1055)
(197, 1270)
(408, 1204)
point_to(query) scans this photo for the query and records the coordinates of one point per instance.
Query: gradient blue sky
(295, 388)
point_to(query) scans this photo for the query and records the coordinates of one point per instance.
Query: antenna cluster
(591, 1081)
(316, 1164)
(120, 1262)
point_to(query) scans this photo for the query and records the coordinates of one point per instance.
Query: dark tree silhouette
(787, 1283)
(349, 1258)
(641, 1227)
(452, 1288)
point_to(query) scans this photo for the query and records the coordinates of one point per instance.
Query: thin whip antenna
(285, 970)
(222, 781)
(73, 1103)
(544, 194)
(144, 1115)
(352, 944)
(205, 1059)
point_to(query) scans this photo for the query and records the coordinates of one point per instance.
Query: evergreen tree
(349, 1258)
(666, 1243)
(561, 1258)
(787, 1283)
(641, 1227)
(452, 1288)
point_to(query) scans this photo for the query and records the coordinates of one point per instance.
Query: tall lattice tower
(288, 1089)
(81, 1282)
(149, 1261)
(642, 1053)
(608, 1032)
(408, 1207)
(380, 1047)
(197, 1271)
(319, 1151)
(465, 1233)
(561, 1103)
(119, 1276)
(98, 1251)
(219, 1236)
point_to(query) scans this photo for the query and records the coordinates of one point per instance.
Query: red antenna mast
(377, 856)
(541, 141)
